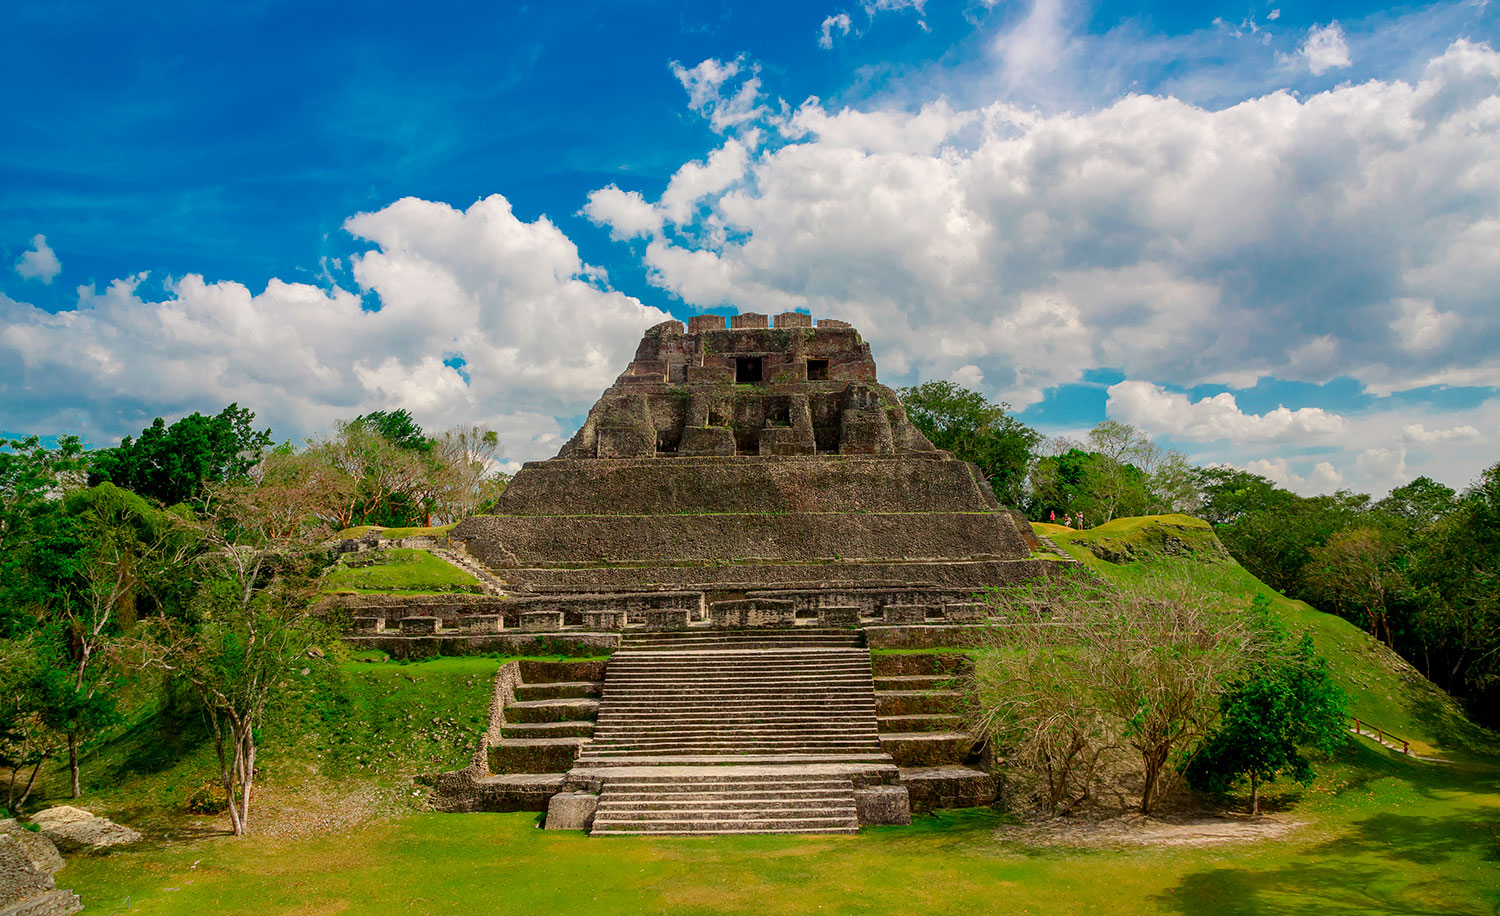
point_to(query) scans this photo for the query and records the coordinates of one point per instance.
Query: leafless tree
(1070, 675)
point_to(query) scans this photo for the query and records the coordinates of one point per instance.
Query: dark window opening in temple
(817, 370)
(747, 370)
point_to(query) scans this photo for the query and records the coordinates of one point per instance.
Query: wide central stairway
(734, 732)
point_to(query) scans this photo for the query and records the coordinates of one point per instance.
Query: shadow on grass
(1368, 871)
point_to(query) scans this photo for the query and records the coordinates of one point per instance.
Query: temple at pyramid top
(741, 459)
(752, 388)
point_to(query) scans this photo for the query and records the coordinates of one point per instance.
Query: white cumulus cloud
(1322, 478)
(40, 263)
(1350, 232)
(1418, 433)
(539, 331)
(1325, 49)
(1170, 413)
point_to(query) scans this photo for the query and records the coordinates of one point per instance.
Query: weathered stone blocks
(905, 614)
(793, 320)
(368, 625)
(706, 441)
(571, 811)
(479, 623)
(882, 806)
(541, 621)
(752, 612)
(419, 626)
(948, 787)
(604, 620)
(697, 324)
(966, 612)
(787, 440)
(843, 616)
(748, 320)
(666, 619)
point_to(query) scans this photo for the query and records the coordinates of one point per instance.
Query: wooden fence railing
(1384, 737)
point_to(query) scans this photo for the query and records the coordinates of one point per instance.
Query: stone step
(585, 759)
(700, 828)
(547, 729)
(812, 731)
(749, 812)
(727, 801)
(736, 750)
(931, 788)
(924, 722)
(686, 643)
(559, 690)
(653, 795)
(534, 755)
(915, 702)
(916, 682)
(898, 664)
(551, 710)
(928, 749)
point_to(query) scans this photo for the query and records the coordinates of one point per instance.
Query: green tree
(249, 624)
(171, 464)
(398, 428)
(1283, 706)
(975, 429)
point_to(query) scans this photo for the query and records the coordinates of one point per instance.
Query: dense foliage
(188, 555)
(967, 424)
(171, 464)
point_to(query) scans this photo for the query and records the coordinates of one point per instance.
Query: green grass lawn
(401, 570)
(1378, 833)
(1380, 836)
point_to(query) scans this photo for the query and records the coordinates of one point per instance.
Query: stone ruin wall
(747, 389)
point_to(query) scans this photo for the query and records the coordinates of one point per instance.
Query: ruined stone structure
(742, 515)
(751, 459)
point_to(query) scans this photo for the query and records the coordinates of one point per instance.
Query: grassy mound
(1131, 540)
(1384, 690)
(400, 570)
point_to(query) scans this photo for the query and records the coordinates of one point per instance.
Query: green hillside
(1383, 689)
(400, 570)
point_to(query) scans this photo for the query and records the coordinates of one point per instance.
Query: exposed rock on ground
(76, 829)
(27, 862)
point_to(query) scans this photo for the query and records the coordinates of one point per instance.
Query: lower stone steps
(922, 722)
(729, 802)
(548, 730)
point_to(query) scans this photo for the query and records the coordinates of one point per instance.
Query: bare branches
(1071, 678)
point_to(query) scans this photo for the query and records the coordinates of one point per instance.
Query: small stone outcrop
(76, 829)
(28, 861)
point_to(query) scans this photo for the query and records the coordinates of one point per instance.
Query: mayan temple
(744, 514)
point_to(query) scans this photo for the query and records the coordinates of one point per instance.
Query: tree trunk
(247, 777)
(73, 764)
(1254, 793)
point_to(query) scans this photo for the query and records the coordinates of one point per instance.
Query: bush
(208, 798)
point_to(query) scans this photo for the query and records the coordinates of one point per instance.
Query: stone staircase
(547, 720)
(731, 801)
(735, 732)
(917, 703)
(706, 638)
(488, 581)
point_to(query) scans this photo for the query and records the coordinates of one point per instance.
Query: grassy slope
(1381, 834)
(403, 570)
(1383, 690)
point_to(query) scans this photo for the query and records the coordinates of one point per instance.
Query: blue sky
(1269, 233)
